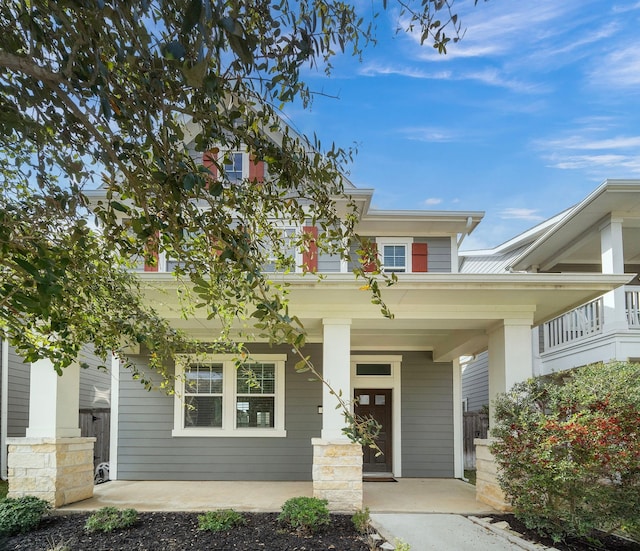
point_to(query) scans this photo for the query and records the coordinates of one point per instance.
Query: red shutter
(368, 259)
(151, 251)
(256, 170)
(419, 257)
(209, 161)
(310, 255)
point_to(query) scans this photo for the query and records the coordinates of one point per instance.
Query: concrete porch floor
(407, 495)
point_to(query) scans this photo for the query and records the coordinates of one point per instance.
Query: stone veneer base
(58, 470)
(337, 474)
(488, 488)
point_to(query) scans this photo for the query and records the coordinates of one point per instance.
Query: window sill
(236, 433)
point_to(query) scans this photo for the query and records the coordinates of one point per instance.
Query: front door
(376, 403)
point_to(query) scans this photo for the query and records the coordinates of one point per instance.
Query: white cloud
(520, 214)
(432, 201)
(429, 134)
(619, 68)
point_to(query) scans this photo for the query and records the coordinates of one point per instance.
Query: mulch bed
(606, 543)
(179, 531)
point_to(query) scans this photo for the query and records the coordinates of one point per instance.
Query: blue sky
(533, 109)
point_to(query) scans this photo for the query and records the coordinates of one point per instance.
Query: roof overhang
(576, 237)
(449, 314)
(417, 223)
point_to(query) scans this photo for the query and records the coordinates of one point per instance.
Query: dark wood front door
(376, 403)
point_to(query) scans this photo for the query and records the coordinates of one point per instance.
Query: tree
(99, 91)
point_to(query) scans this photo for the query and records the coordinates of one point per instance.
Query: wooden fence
(475, 425)
(96, 422)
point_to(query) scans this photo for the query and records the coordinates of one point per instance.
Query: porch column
(337, 462)
(612, 252)
(52, 462)
(510, 362)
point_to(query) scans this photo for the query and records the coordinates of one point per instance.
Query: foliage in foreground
(305, 514)
(569, 450)
(21, 514)
(220, 521)
(109, 519)
(361, 519)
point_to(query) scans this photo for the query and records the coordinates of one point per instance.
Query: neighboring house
(95, 397)
(601, 234)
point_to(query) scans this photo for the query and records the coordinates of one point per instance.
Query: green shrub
(109, 519)
(305, 514)
(569, 450)
(220, 521)
(21, 514)
(361, 520)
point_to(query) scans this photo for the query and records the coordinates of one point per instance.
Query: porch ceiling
(449, 314)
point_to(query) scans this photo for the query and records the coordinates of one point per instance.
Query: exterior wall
(95, 382)
(328, 263)
(18, 395)
(427, 416)
(439, 253)
(475, 382)
(147, 451)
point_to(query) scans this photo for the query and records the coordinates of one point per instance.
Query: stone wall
(337, 474)
(58, 470)
(488, 489)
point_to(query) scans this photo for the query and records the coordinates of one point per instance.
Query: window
(215, 397)
(233, 167)
(394, 258)
(395, 253)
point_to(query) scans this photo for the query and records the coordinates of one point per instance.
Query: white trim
(384, 381)
(404, 241)
(115, 413)
(4, 407)
(229, 382)
(458, 437)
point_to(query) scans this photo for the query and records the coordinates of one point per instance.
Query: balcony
(580, 337)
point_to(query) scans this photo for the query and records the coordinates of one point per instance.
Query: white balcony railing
(584, 321)
(632, 307)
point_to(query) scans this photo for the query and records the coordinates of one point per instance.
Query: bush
(361, 520)
(305, 514)
(569, 450)
(109, 519)
(21, 514)
(220, 521)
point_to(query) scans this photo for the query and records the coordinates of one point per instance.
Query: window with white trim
(216, 397)
(395, 254)
(233, 167)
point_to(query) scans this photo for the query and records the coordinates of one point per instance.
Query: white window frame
(405, 242)
(229, 394)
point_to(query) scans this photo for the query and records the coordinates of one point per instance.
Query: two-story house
(405, 372)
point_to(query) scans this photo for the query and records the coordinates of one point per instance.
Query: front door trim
(393, 382)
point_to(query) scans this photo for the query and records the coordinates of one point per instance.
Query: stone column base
(337, 474)
(488, 489)
(58, 470)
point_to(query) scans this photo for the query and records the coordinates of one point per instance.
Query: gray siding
(427, 416)
(95, 382)
(475, 382)
(438, 253)
(147, 451)
(328, 262)
(18, 403)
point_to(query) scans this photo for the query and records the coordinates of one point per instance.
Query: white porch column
(336, 370)
(54, 401)
(337, 462)
(612, 252)
(458, 436)
(510, 362)
(53, 462)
